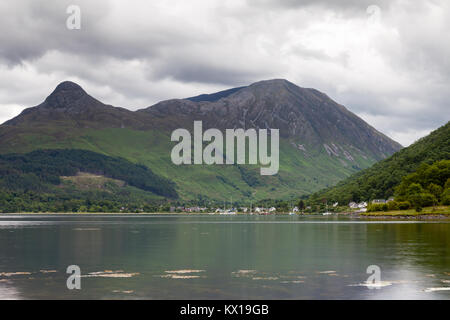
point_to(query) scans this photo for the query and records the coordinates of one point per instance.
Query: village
(352, 207)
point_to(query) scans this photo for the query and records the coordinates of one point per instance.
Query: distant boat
(229, 211)
(292, 213)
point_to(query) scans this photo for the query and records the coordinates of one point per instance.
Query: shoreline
(409, 217)
(337, 214)
(98, 213)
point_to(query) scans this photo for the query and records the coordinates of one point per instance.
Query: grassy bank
(439, 210)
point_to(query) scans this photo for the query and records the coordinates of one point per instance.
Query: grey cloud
(210, 69)
(134, 54)
(36, 28)
(343, 6)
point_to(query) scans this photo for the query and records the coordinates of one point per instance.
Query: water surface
(221, 257)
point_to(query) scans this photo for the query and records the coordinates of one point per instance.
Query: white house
(272, 209)
(353, 205)
(362, 204)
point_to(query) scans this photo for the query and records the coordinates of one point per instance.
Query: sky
(388, 61)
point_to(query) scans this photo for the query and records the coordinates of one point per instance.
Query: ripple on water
(184, 271)
(9, 274)
(243, 273)
(182, 274)
(293, 281)
(265, 278)
(437, 289)
(123, 291)
(370, 285)
(110, 274)
(177, 276)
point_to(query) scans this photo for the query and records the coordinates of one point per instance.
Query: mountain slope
(70, 180)
(379, 180)
(302, 115)
(321, 142)
(214, 96)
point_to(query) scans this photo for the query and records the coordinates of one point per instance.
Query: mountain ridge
(293, 115)
(321, 142)
(70, 102)
(278, 103)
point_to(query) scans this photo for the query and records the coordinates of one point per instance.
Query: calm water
(240, 257)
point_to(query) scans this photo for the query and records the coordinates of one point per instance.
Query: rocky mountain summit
(302, 115)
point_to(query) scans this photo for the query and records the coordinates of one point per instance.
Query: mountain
(303, 115)
(378, 181)
(69, 104)
(321, 142)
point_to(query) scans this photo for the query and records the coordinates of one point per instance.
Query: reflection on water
(217, 257)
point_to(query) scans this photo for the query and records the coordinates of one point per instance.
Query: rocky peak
(67, 95)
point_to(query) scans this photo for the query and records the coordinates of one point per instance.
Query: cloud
(342, 5)
(387, 61)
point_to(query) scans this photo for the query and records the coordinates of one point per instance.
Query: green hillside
(298, 175)
(69, 180)
(380, 180)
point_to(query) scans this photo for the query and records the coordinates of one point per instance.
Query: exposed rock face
(301, 114)
(70, 96)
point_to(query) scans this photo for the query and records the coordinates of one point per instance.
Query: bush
(392, 205)
(422, 200)
(445, 198)
(414, 188)
(373, 207)
(404, 205)
(435, 190)
(428, 200)
(447, 184)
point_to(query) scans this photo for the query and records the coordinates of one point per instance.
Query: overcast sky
(387, 61)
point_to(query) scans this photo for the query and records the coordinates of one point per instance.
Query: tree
(414, 188)
(419, 200)
(435, 190)
(445, 197)
(447, 184)
(301, 205)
